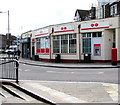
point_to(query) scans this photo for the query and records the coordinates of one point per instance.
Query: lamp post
(8, 34)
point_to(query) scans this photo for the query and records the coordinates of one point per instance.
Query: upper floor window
(113, 10)
(99, 12)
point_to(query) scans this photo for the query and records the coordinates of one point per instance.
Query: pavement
(68, 65)
(72, 92)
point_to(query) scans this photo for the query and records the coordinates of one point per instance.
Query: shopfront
(98, 37)
(41, 43)
(26, 44)
(64, 43)
(25, 47)
(57, 39)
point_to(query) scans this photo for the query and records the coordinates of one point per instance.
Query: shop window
(72, 44)
(64, 43)
(84, 35)
(42, 45)
(56, 44)
(38, 43)
(86, 43)
(97, 34)
(88, 34)
(47, 43)
(94, 34)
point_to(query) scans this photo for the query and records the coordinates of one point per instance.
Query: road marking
(49, 71)
(20, 69)
(100, 72)
(112, 90)
(75, 72)
(60, 72)
(26, 70)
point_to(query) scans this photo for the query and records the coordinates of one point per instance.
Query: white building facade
(75, 39)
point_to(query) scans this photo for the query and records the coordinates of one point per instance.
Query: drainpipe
(79, 26)
(50, 44)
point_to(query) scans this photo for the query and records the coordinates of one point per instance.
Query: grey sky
(32, 14)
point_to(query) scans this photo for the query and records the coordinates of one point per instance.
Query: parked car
(10, 51)
(2, 51)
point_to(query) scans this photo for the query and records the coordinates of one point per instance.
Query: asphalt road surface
(28, 72)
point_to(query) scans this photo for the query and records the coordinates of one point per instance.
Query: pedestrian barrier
(9, 68)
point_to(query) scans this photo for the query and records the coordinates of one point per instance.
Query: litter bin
(87, 58)
(57, 58)
(36, 57)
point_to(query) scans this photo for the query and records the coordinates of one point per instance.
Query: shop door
(33, 50)
(25, 46)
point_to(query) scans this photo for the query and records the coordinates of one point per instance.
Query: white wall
(107, 44)
(118, 42)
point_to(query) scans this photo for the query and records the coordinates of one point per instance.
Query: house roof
(82, 12)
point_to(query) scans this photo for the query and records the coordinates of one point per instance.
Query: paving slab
(72, 92)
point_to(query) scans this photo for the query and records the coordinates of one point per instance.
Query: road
(28, 72)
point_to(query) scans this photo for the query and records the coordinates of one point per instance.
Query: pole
(8, 35)
(8, 22)
(51, 43)
(17, 66)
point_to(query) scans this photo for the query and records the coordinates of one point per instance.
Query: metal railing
(9, 68)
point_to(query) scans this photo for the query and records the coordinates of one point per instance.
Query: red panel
(114, 54)
(63, 31)
(42, 50)
(47, 50)
(41, 34)
(96, 44)
(38, 51)
(94, 28)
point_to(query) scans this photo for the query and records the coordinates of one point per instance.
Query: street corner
(112, 90)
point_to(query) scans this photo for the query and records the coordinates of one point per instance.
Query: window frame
(113, 10)
(62, 38)
(43, 41)
(86, 49)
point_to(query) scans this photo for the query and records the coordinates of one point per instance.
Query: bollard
(114, 56)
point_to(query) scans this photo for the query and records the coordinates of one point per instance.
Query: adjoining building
(91, 37)
(4, 42)
(26, 44)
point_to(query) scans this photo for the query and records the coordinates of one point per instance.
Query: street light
(8, 34)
